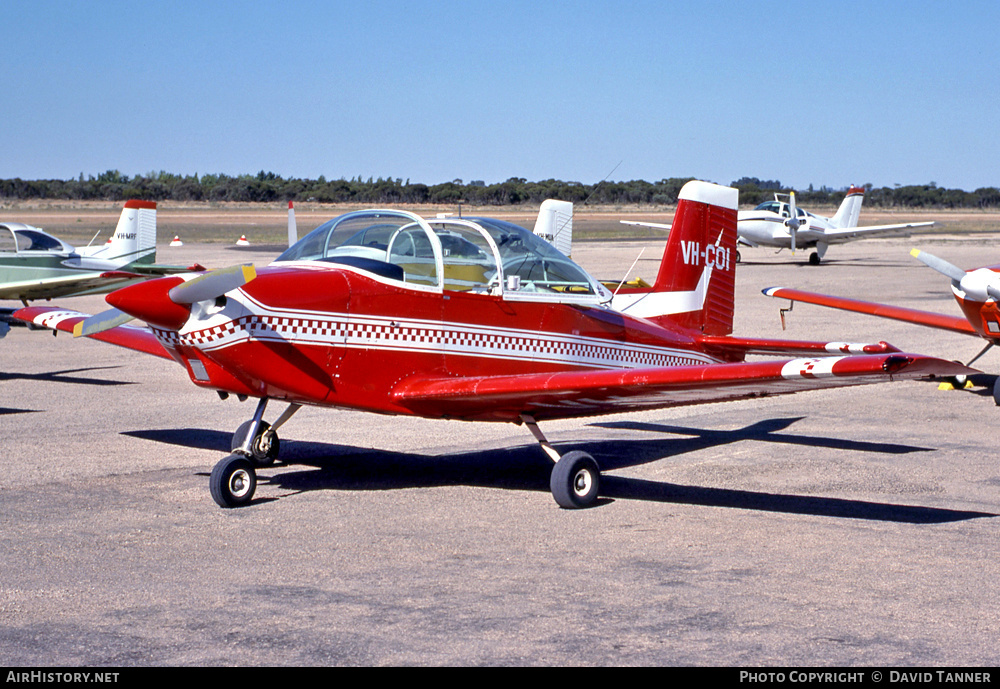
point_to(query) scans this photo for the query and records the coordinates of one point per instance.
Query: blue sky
(806, 93)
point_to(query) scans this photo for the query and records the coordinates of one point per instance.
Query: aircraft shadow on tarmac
(525, 467)
(13, 410)
(64, 377)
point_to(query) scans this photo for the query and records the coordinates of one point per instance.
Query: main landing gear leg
(576, 478)
(255, 444)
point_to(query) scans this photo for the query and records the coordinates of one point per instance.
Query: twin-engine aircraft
(36, 265)
(977, 292)
(471, 319)
(780, 223)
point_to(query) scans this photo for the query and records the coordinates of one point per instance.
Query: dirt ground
(79, 223)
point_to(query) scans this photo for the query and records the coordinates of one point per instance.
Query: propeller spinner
(165, 302)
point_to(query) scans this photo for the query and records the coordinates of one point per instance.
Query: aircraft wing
(64, 286)
(846, 234)
(584, 393)
(141, 339)
(926, 318)
(158, 269)
(86, 283)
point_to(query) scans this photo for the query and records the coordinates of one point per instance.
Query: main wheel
(233, 481)
(814, 259)
(265, 448)
(996, 392)
(575, 480)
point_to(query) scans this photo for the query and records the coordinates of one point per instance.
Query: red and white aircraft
(473, 319)
(976, 291)
(781, 224)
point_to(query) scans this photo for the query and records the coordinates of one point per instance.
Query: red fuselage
(330, 335)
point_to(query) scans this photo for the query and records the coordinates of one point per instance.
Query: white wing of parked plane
(846, 234)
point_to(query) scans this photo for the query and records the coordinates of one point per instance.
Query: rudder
(696, 281)
(850, 208)
(134, 239)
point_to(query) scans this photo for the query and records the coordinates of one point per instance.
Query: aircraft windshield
(33, 240)
(475, 254)
(772, 206)
(393, 244)
(538, 265)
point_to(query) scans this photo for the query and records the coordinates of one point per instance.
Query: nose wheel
(233, 481)
(255, 444)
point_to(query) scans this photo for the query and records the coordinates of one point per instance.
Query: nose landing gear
(255, 444)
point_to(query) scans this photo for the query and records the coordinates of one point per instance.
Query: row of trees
(269, 187)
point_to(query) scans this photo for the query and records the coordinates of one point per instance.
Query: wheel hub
(239, 483)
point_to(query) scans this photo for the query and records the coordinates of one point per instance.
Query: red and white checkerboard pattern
(373, 332)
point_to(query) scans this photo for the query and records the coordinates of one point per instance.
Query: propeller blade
(793, 219)
(293, 233)
(106, 320)
(212, 284)
(938, 264)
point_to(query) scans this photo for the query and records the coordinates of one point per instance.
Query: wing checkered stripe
(388, 334)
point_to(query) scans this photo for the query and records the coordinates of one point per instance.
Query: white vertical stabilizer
(555, 224)
(849, 211)
(134, 237)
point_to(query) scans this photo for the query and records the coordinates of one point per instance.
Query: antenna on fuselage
(594, 190)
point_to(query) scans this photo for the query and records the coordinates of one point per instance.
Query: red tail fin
(696, 281)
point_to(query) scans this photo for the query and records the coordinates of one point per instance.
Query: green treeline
(269, 187)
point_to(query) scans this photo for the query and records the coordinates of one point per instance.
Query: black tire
(738, 257)
(575, 480)
(233, 481)
(814, 259)
(996, 392)
(262, 454)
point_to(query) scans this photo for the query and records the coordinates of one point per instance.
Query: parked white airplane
(780, 223)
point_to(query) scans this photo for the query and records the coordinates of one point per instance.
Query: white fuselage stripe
(390, 333)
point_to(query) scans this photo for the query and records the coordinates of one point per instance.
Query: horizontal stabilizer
(742, 346)
(651, 225)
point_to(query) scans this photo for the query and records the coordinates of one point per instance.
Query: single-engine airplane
(36, 265)
(782, 224)
(471, 319)
(976, 291)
